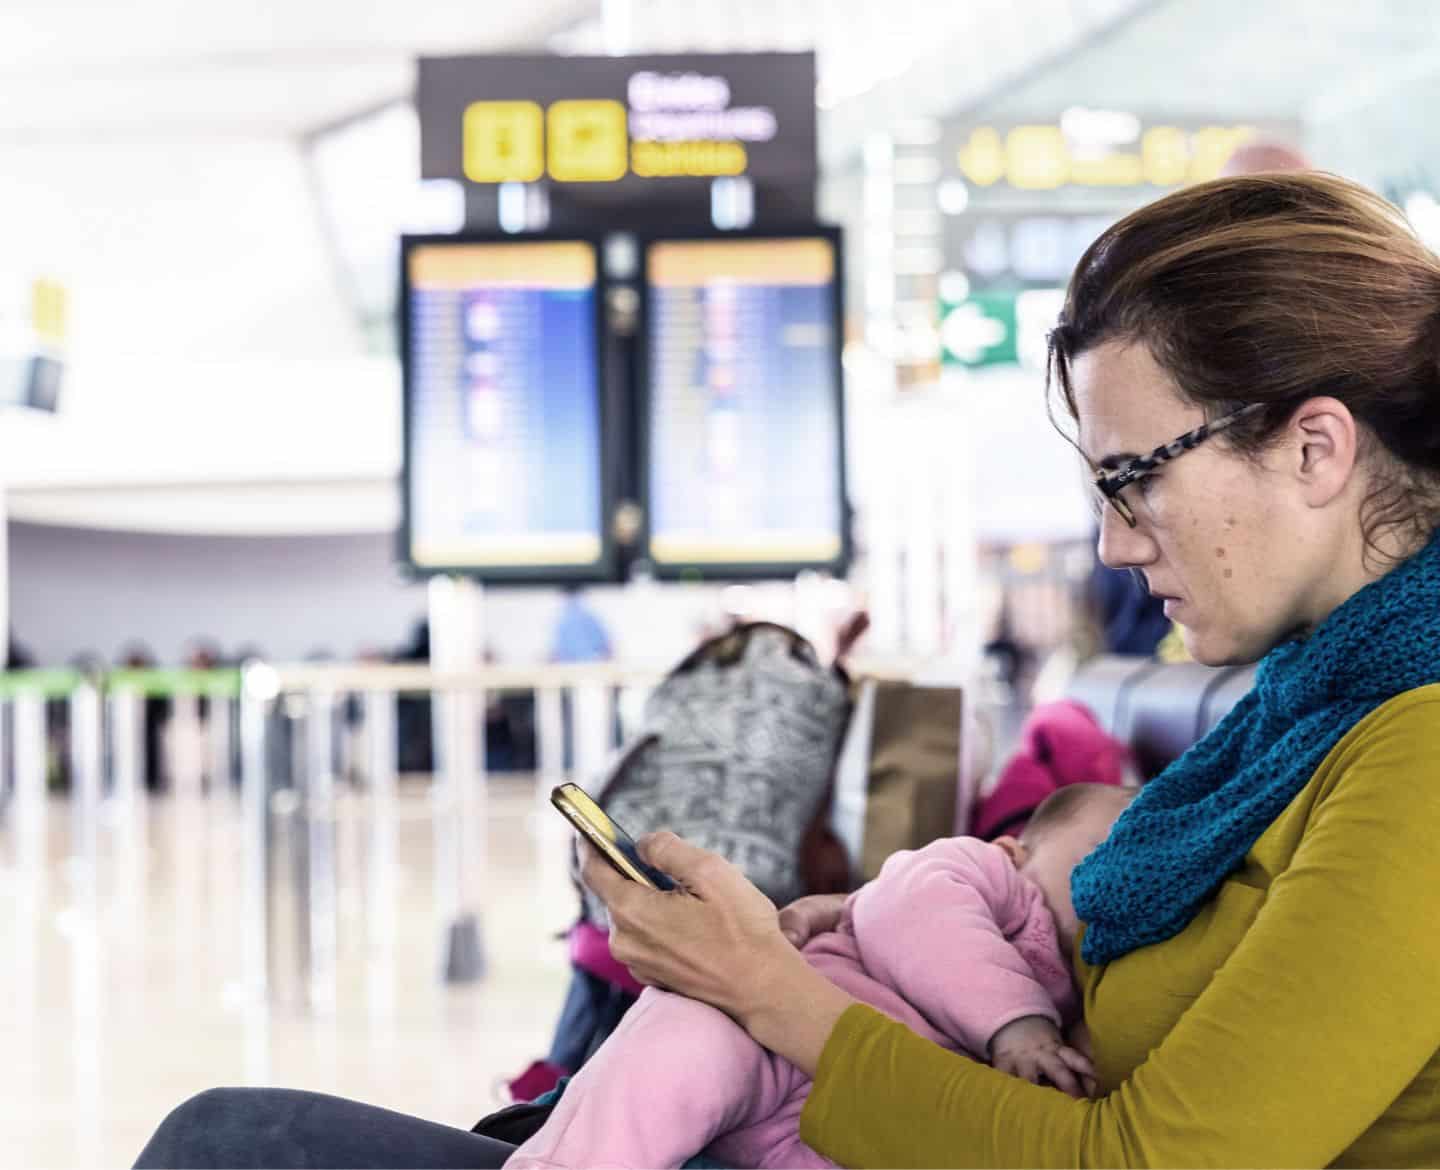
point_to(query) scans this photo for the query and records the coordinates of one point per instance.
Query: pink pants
(676, 1076)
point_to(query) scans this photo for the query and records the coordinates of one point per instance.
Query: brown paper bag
(914, 772)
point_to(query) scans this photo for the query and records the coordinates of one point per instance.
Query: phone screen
(596, 825)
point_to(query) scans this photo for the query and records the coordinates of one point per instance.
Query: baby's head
(1066, 827)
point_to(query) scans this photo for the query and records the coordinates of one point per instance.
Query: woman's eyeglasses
(1111, 483)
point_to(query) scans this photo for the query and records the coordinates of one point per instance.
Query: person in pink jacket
(966, 942)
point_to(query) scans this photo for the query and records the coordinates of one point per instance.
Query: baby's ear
(1014, 849)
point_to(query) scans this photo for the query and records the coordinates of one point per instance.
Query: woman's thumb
(667, 852)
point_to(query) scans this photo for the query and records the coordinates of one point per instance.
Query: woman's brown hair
(1273, 289)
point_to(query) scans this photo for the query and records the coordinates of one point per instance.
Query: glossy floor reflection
(122, 985)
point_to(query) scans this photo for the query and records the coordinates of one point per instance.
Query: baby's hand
(1032, 1048)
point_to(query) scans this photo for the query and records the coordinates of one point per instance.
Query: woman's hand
(707, 940)
(813, 914)
(717, 939)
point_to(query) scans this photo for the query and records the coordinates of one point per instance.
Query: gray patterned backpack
(737, 755)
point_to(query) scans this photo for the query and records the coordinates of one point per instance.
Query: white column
(85, 768)
(259, 687)
(550, 755)
(457, 643)
(127, 747)
(319, 781)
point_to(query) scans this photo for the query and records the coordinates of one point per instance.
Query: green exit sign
(999, 327)
(980, 330)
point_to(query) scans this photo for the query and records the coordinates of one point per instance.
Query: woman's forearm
(791, 1009)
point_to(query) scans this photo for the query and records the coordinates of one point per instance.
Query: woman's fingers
(696, 870)
(713, 940)
(600, 877)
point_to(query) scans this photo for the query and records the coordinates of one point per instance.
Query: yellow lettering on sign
(1166, 155)
(1037, 158)
(1041, 158)
(655, 160)
(1111, 170)
(1212, 148)
(982, 159)
(503, 142)
(588, 141)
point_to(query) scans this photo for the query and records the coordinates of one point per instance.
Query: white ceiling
(1285, 59)
(81, 70)
(87, 69)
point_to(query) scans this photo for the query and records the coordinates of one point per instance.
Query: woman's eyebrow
(1117, 460)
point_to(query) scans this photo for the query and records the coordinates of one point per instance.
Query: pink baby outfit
(950, 940)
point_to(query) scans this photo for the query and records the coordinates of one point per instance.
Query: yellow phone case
(590, 819)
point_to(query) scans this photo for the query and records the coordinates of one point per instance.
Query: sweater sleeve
(1307, 1033)
(933, 926)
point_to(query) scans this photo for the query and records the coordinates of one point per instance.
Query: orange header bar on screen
(677, 263)
(537, 264)
(762, 548)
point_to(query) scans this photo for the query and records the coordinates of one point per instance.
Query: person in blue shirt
(580, 635)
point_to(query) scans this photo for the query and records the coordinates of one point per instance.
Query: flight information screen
(745, 458)
(502, 376)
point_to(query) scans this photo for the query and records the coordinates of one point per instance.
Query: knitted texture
(1192, 825)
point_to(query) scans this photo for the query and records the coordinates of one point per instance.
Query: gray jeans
(289, 1129)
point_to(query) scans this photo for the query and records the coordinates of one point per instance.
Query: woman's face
(1237, 548)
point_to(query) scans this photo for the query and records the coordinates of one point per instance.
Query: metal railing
(267, 738)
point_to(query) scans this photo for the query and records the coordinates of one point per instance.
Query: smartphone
(613, 842)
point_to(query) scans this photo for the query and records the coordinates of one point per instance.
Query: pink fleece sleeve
(933, 925)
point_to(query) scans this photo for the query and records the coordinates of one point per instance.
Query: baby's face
(1050, 861)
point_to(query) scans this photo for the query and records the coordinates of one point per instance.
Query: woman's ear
(1326, 442)
(1014, 848)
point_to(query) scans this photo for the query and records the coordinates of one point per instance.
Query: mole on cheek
(1229, 573)
(1220, 553)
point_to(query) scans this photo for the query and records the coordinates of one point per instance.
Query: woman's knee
(183, 1138)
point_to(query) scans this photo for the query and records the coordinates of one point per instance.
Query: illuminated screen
(503, 407)
(744, 441)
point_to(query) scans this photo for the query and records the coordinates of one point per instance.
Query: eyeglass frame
(1111, 483)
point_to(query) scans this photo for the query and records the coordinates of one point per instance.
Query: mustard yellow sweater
(1294, 1022)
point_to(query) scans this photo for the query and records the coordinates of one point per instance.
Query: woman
(1254, 369)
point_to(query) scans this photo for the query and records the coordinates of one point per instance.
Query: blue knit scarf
(1192, 825)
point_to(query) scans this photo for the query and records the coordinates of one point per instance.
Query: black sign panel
(628, 124)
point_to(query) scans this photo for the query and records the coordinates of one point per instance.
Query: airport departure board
(744, 463)
(501, 346)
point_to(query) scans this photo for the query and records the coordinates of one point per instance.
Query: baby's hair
(1061, 806)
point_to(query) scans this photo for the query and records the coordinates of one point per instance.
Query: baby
(967, 943)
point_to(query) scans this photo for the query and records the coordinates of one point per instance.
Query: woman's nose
(1120, 546)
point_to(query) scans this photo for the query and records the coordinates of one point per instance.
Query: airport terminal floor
(123, 992)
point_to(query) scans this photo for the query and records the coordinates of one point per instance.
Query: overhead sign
(618, 120)
(1101, 149)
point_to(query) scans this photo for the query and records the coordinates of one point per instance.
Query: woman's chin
(1209, 649)
(1202, 649)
